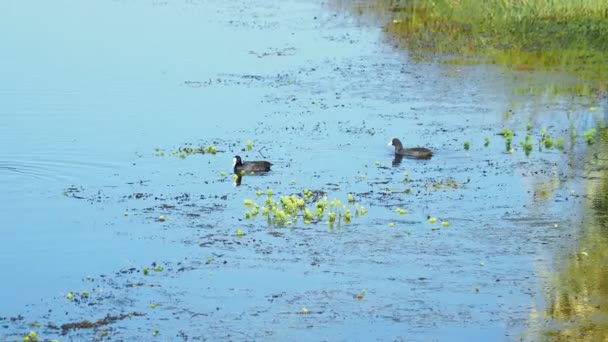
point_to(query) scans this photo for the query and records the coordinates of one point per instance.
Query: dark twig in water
(260, 152)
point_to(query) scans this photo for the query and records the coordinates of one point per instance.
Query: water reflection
(577, 303)
(397, 159)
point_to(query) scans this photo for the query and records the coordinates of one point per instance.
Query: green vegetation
(589, 136)
(527, 144)
(288, 209)
(467, 145)
(550, 34)
(31, 337)
(508, 135)
(185, 151)
(248, 145)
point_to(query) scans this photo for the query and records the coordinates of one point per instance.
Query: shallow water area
(105, 214)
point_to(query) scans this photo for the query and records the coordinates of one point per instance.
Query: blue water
(88, 91)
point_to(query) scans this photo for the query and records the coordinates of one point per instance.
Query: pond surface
(95, 98)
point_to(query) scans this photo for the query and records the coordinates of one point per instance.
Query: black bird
(413, 152)
(250, 166)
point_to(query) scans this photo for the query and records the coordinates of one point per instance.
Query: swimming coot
(250, 166)
(413, 152)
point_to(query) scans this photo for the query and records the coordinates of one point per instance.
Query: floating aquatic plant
(486, 141)
(304, 310)
(467, 145)
(401, 211)
(445, 224)
(508, 135)
(146, 271)
(287, 210)
(361, 295)
(249, 145)
(432, 220)
(158, 268)
(239, 233)
(527, 144)
(589, 136)
(31, 337)
(70, 296)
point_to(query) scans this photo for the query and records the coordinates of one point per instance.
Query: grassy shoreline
(525, 34)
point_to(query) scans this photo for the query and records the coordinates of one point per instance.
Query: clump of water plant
(309, 207)
(31, 337)
(486, 142)
(467, 145)
(508, 135)
(589, 136)
(527, 144)
(187, 150)
(248, 145)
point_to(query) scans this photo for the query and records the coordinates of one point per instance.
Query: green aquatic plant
(304, 310)
(486, 141)
(158, 268)
(84, 294)
(70, 296)
(589, 136)
(146, 271)
(527, 144)
(361, 295)
(508, 135)
(529, 126)
(239, 233)
(445, 224)
(212, 149)
(401, 211)
(287, 210)
(31, 337)
(559, 143)
(467, 145)
(155, 332)
(350, 198)
(153, 305)
(248, 145)
(432, 220)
